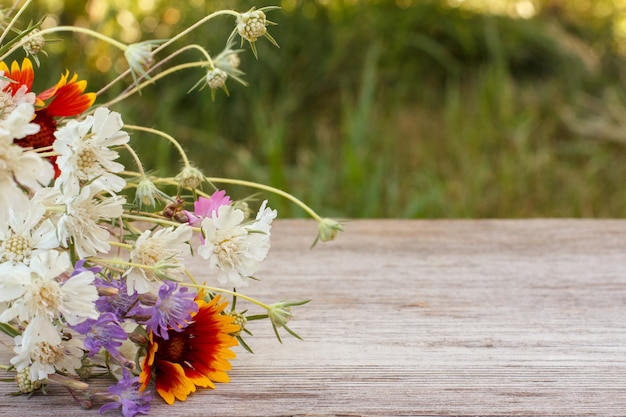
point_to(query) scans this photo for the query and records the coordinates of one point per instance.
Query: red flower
(67, 98)
(196, 357)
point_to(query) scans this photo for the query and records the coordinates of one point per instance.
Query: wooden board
(488, 317)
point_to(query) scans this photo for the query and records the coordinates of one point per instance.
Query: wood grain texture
(502, 317)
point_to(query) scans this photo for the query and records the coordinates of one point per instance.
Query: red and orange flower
(197, 356)
(67, 98)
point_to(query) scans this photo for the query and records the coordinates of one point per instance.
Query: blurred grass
(372, 110)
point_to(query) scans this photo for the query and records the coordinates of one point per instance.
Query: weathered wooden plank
(506, 317)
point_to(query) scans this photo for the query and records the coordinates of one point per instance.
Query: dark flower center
(175, 349)
(45, 136)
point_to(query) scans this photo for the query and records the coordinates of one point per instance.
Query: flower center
(45, 136)
(227, 250)
(86, 159)
(150, 252)
(16, 249)
(46, 353)
(174, 349)
(49, 296)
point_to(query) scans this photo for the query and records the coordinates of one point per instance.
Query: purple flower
(204, 207)
(79, 267)
(105, 332)
(126, 394)
(121, 305)
(172, 310)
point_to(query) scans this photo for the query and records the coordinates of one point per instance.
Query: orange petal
(69, 99)
(171, 382)
(22, 76)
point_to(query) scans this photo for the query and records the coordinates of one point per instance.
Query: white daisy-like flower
(15, 108)
(80, 223)
(26, 234)
(43, 351)
(20, 168)
(35, 291)
(236, 249)
(163, 250)
(85, 154)
(16, 114)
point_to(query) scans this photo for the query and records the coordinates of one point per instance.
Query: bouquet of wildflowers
(93, 280)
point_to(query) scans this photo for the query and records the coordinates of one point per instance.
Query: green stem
(12, 23)
(155, 220)
(77, 29)
(157, 65)
(120, 262)
(194, 26)
(264, 187)
(166, 136)
(134, 155)
(121, 245)
(74, 29)
(154, 79)
(229, 292)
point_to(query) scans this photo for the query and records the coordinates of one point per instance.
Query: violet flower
(127, 396)
(104, 332)
(121, 305)
(79, 267)
(172, 310)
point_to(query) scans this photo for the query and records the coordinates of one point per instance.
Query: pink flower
(204, 207)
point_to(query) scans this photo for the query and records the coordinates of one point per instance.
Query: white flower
(20, 168)
(42, 349)
(264, 218)
(80, 221)
(163, 251)
(15, 118)
(16, 111)
(26, 234)
(236, 249)
(85, 154)
(34, 291)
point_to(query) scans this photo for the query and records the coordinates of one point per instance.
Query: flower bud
(240, 320)
(147, 193)
(34, 42)
(190, 177)
(328, 229)
(216, 78)
(280, 313)
(251, 25)
(139, 56)
(24, 383)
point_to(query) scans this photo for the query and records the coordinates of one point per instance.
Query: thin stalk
(134, 155)
(74, 29)
(194, 26)
(229, 292)
(12, 23)
(154, 220)
(156, 66)
(120, 245)
(268, 188)
(154, 79)
(166, 136)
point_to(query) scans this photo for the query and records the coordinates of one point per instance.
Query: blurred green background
(409, 109)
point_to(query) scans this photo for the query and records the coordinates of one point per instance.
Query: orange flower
(67, 99)
(196, 357)
(22, 76)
